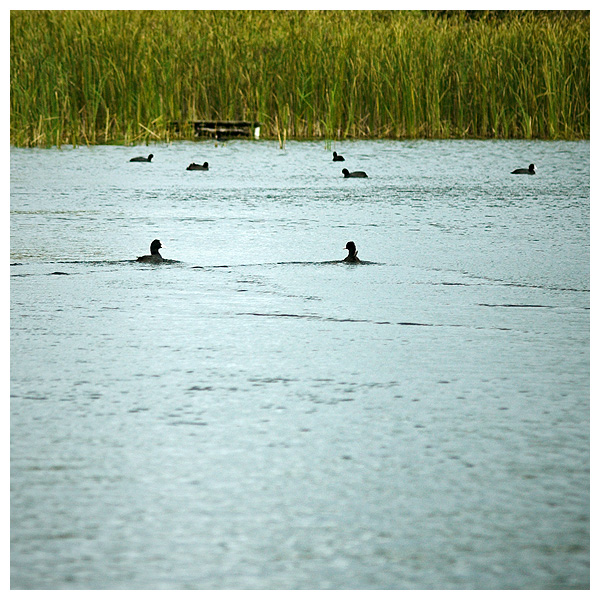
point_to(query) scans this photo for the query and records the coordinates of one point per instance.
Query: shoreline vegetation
(103, 77)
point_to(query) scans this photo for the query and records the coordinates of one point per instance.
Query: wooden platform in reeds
(224, 129)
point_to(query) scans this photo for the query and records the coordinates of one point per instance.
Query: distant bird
(195, 167)
(142, 158)
(354, 173)
(352, 253)
(337, 157)
(529, 171)
(154, 256)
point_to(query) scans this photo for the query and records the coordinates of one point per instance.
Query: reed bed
(89, 77)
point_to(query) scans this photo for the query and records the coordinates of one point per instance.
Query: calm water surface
(259, 415)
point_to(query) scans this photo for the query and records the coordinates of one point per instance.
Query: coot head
(155, 246)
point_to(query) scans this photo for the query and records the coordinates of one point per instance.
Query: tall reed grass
(88, 77)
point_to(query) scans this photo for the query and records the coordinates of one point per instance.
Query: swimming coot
(354, 173)
(195, 167)
(352, 253)
(142, 158)
(529, 171)
(337, 157)
(154, 256)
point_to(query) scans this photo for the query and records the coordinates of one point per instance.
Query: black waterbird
(529, 171)
(154, 256)
(352, 253)
(354, 173)
(195, 167)
(143, 158)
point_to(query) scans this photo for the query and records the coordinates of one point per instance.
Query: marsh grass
(89, 77)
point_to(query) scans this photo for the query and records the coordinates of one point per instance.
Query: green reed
(88, 77)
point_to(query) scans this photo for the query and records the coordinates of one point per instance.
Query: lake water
(260, 415)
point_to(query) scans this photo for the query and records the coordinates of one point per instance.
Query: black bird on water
(354, 173)
(154, 256)
(528, 171)
(195, 167)
(352, 253)
(142, 158)
(337, 157)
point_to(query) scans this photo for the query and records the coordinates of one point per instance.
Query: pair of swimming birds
(155, 257)
(191, 166)
(339, 158)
